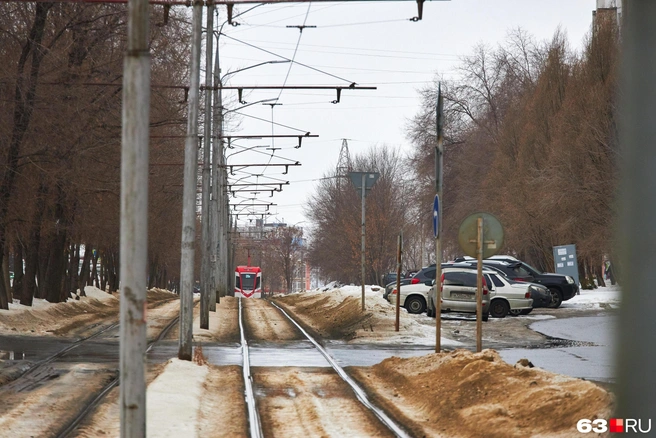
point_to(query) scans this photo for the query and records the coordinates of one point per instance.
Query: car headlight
(570, 280)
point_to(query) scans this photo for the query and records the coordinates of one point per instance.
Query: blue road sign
(436, 216)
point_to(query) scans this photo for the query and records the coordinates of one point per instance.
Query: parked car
(424, 274)
(392, 285)
(561, 287)
(412, 296)
(458, 287)
(507, 295)
(539, 293)
(389, 278)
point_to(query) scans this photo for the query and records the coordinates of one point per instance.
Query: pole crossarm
(241, 166)
(260, 137)
(259, 184)
(229, 3)
(240, 89)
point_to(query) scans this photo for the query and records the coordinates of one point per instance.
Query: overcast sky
(372, 44)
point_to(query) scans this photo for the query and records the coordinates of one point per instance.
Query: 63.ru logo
(616, 425)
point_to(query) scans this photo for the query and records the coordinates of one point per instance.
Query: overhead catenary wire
(284, 57)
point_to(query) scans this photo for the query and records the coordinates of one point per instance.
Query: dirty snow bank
(45, 318)
(337, 314)
(464, 394)
(173, 400)
(601, 297)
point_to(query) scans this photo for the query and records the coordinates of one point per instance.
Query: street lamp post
(363, 182)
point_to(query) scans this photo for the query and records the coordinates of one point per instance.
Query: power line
(283, 57)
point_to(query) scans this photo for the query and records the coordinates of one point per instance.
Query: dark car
(561, 287)
(389, 277)
(424, 274)
(391, 286)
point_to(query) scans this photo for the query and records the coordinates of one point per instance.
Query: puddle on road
(29, 348)
(292, 354)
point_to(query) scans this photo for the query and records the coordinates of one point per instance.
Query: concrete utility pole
(222, 279)
(363, 238)
(134, 222)
(439, 154)
(189, 192)
(206, 247)
(216, 205)
(636, 340)
(206, 242)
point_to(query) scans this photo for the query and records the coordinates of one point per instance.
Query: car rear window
(496, 280)
(467, 279)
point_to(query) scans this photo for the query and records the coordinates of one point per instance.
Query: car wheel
(499, 308)
(430, 312)
(556, 298)
(415, 305)
(486, 316)
(517, 312)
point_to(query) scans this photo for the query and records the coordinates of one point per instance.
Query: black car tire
(499, 308)
(556, 298)
(430, 312)
(517, 312)
(486, 316)
(415, 305)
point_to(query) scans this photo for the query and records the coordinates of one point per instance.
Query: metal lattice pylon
(343, 163)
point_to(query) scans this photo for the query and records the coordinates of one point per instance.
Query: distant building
(608, 8)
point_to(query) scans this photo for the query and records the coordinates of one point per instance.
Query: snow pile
(173, 400)
(477, 394)
(70, 317)
(337, 314)
(601, 297)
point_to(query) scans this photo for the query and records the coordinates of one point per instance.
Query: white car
(413, 296)
(506, 296)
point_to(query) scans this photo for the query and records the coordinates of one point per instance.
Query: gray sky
(372, 44)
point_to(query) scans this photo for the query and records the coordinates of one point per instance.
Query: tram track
(285, 401)
(68, 389)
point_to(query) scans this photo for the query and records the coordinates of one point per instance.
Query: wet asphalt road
(580, 346)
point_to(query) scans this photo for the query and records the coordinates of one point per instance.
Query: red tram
(248, 282)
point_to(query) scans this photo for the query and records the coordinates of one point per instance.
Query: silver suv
(458, 286)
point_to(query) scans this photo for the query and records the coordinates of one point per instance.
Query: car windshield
(530, 268)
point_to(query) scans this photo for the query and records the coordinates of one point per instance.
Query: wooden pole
(479, 287)
(399, 250)
(439, 154)
(363, 235)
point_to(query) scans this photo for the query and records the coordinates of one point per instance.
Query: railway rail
(258, 422)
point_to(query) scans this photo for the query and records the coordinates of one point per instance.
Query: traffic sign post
(436, 216)
(480, 236)
(439, 154)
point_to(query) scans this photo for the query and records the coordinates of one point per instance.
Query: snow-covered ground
(167, 412)
(595, 299)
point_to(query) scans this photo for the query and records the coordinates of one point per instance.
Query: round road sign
(492, 235)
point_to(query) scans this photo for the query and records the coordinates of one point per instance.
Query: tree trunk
(23, 107)
(17, 287)
(55, 277)
(103, 272)
(94, 270)
(28, 292)
(6, 286)
(84, 272)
